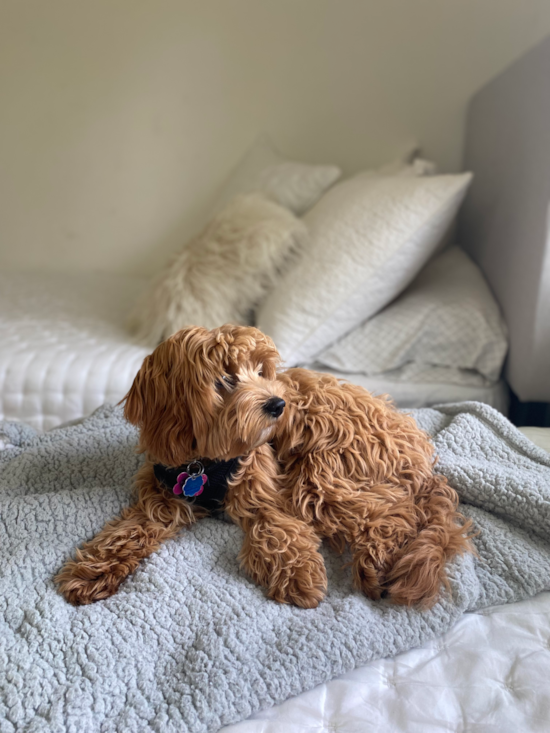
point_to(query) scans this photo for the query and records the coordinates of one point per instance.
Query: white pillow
(446, 318)
(368, 237)
(223, 273)
(295, 185)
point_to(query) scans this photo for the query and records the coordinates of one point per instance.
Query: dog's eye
(227, 381)
(260, 373)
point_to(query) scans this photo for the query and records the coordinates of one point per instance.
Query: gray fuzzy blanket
(189, 643)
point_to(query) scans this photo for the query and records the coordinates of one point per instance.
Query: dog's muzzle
(274, 407)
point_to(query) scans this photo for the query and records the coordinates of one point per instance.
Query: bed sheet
(410, 395)
(488, 674)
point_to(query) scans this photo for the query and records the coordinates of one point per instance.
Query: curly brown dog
(311, 458)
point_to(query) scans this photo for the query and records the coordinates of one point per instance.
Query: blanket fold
(189, 643)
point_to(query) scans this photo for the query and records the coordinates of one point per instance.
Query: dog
(293, 457)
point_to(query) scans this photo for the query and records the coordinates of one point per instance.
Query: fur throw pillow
(222, 274)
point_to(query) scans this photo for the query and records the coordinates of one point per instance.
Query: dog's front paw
(304, 585)
(84, 582)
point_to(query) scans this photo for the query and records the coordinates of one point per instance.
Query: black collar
(202, 486)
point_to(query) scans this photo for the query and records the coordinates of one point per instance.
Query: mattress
(488, 674)
(65, 350)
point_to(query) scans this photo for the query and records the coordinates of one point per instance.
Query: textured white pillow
(368, 237)
(446, 318)
(295, 185)
(223, 273)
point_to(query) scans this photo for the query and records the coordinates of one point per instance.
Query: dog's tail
(418, 573)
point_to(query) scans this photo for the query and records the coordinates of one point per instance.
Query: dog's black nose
(274, 406)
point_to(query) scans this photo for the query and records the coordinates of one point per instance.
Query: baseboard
(528, 413)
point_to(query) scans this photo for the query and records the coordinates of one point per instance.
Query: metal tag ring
(199, 472)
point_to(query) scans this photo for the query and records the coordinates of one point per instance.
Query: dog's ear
(134, 401)
(157, 404)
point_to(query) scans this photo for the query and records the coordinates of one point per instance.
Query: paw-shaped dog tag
(194, 485)
(191, 482)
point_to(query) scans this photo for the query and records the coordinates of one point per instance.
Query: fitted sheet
(410, 395)
(488, 674)
(65, 350)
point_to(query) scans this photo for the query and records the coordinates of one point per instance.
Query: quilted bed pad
(189, 643)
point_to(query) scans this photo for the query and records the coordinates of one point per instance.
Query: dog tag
(192, 481)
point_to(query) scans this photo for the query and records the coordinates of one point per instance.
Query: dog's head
(210, 394)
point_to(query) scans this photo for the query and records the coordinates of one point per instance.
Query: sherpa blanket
(189, 643)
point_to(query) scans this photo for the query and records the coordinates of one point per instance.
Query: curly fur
(221, 274)
(338, 464)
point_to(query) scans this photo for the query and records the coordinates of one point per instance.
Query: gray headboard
(504, 224)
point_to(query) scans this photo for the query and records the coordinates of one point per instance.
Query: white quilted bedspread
(64, 349)
(489, 674)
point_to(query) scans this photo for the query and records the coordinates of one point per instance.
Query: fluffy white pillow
(368, 237)
(446, 318)
(295, 185)
(223, 273)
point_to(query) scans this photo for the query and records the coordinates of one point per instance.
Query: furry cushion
(223, 273)
(298, 186)
(368, 238)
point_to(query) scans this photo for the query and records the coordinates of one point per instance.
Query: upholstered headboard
(504, 225)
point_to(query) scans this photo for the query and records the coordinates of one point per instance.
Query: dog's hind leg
(390, 525)
(368, 569)
(105, 561)
(419, 569)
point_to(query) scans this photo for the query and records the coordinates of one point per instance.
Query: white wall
(120, 118)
